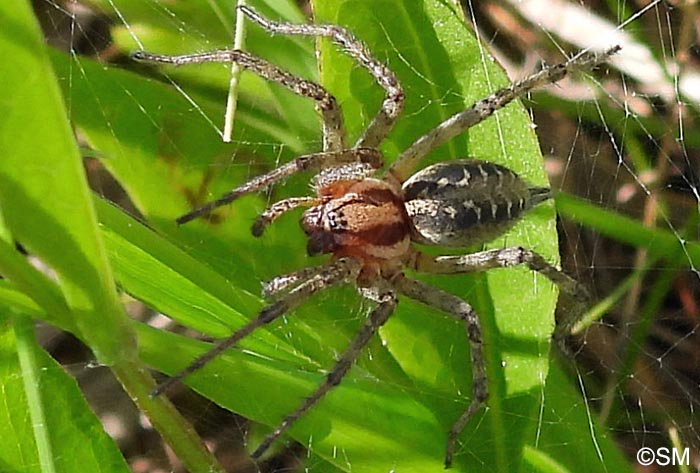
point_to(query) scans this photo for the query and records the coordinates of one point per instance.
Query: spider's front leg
(393, 103)
(309, 162)
(326, 104)
(462, 311)
(576, 296)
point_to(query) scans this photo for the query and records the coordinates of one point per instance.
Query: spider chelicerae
(368, 220)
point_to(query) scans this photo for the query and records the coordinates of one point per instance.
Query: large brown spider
(367, 220)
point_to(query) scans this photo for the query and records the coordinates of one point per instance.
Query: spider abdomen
(459, 203)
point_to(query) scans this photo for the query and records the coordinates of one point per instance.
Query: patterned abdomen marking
(459, 203)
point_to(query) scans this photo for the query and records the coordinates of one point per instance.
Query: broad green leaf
(444, 70)
(45, 424)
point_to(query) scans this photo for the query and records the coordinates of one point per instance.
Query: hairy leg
(311, 162)
(340, 271)
(461, 310)
(387, 302)
(407, 162)
(393, 103)
(327, 105)
(575, 296)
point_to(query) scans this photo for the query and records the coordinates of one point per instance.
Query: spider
(369, 220)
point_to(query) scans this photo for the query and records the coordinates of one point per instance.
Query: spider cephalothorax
(367, 220)
(364, 219)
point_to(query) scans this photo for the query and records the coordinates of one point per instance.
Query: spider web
(620, 146)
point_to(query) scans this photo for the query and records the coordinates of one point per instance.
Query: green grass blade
(659, 243)
(43, 192)
(45, 424)
(46, 205)
(27, 352)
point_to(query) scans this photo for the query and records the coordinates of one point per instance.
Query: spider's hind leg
(408, 161)
(387, 302)
(461, 310)
(575, 297)
(572, 290)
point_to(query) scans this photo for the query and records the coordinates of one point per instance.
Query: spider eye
(320, 243)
